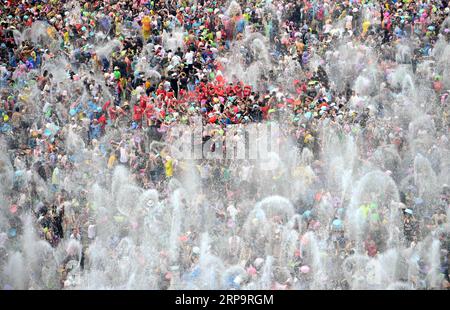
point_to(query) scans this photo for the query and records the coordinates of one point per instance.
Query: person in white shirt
(189, 57)
(175, 61)
(123, 153)
(75, 234)
(166, 85)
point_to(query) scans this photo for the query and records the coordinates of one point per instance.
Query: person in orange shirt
(146, 27)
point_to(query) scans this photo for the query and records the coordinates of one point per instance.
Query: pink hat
(13, 209)
(251, 270)
(304, 269)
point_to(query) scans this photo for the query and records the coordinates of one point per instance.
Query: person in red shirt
(149, 111)
(238, 90)
(106, 105)
(230, 90)
(265, 109)
(143, 102)
(160, 91)
(170, 94)
(220, 91)
(138, 112)
(113, 112)
(211, 90)
(102, 121)
(247, 91)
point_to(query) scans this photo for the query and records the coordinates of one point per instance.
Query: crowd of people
(90, 85)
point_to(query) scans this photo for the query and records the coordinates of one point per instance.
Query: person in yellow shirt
(51, 32)
(148, 84)
(308, 138)
(299, 46)
(66, 37)
(146, 27)
(112, 160)
(365, 26)
(168, 165)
